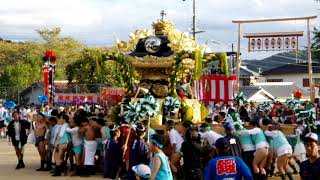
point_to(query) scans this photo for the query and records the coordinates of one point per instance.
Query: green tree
(66, 49)
(315, 47)
(91, 69)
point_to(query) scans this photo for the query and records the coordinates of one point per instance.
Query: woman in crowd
(160, 168)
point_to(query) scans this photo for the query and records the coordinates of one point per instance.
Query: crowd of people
(83, 141)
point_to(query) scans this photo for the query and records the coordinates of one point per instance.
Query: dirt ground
(8, 163)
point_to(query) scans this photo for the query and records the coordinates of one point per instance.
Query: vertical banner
(45, 73)
(51, 83)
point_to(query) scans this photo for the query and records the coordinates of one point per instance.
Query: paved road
(8, 163)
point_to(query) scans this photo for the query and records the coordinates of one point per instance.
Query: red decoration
(82, 98)
(297, 94)
(89, 98)
(68, 98)
(53, 59)
(45, 70)
(215, 88)
(226, 166)
(49, 53)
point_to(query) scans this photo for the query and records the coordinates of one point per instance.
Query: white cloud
(94, 21)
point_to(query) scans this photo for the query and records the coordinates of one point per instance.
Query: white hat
(81, 107)
(142, 170)
(312, 136)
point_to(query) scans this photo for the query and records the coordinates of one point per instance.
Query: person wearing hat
(209, 135)
(113, 153)
(176, 141)
(235, 145)
(310, 169)
(281, 147)
(159, 165)
(141, 172)
(138, 150)
(225, 166)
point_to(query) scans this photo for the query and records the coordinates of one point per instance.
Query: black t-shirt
(310, 171)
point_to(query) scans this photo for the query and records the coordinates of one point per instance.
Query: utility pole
(194, 20)
(194, 32)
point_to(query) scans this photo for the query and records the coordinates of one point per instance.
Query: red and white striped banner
(215, 88)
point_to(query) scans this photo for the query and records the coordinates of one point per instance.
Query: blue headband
(157, 143)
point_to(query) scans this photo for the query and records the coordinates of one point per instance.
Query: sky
(94, 22)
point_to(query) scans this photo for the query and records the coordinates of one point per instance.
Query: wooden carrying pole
(307, 18)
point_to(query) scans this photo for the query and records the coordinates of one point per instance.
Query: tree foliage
(90, 68)
(20, 62)
(315, 47)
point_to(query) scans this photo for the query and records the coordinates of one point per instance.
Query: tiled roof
(293, 69)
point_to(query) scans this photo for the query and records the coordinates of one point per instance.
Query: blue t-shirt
(227, 167)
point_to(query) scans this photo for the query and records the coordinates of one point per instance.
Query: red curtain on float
(215, 88)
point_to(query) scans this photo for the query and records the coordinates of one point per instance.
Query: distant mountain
(276, 60)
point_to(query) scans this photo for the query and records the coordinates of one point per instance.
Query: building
(281, 91)
(295, 73)
(256, 94)
(247, 76)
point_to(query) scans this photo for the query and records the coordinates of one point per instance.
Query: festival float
(163, 73)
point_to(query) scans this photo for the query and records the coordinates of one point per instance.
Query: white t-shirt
(76, 140)
(175, 138)
(17, 130)
(211, 137)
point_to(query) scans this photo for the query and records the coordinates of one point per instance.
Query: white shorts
(90, 148)
(285, 149)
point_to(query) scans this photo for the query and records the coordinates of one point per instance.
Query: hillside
(274, 61)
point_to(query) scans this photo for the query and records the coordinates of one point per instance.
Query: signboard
(78, 99)
(280, 41)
